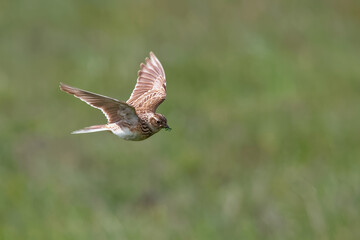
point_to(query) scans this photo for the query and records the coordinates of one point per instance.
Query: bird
(136, 119)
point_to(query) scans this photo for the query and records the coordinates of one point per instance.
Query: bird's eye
(158, 122)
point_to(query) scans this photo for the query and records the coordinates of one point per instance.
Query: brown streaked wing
(113, 109)
(150, 89)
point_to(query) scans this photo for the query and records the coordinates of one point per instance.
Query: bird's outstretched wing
(113, 109)
(150, 89)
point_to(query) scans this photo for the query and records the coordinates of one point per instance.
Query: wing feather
(113, 109)
(150, 89)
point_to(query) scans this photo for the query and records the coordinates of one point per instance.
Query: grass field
(263, 99)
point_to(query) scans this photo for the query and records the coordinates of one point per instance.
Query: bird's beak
(167, 128)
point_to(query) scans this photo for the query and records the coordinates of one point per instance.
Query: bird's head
(158, 121)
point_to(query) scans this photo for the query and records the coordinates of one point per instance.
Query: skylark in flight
(134, 119)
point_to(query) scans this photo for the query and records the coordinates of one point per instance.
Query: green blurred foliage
(263, 99)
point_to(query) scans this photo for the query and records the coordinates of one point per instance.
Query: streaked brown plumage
(136, 119)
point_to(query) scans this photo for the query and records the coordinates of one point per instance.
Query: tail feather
(95, 128)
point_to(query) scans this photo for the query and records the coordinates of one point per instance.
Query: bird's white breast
(125, 133)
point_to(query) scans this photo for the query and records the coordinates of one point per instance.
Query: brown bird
(136, 119)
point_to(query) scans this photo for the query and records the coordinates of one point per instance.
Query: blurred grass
(263, 99)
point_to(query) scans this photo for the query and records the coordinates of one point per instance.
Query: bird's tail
(95, 128)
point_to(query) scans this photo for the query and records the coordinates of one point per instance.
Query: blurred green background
(263, 99)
